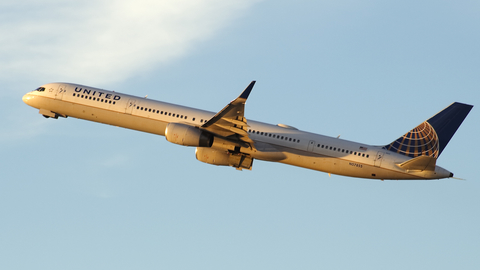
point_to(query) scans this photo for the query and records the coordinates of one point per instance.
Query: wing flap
(233, 129)
(237, 122)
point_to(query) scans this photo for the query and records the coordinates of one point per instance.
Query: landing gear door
(379, 158)
(61, 89)
(131, 103)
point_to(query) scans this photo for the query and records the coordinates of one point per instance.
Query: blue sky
(81, 195)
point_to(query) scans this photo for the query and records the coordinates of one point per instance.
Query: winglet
(247, 90)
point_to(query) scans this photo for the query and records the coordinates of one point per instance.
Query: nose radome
(26, 98)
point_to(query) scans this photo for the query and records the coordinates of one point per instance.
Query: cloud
(104, 41)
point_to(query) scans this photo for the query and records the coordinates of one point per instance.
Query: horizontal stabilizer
(421, 163)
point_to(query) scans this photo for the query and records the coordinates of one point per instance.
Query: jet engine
(188, 135)
(224, 158)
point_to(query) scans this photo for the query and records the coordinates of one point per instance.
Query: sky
(80, 195)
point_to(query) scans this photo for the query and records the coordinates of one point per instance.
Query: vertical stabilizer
(432, 136)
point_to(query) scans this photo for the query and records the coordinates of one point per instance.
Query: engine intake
(224, 158)
(187, 135)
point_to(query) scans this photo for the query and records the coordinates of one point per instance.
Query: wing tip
(247, 90)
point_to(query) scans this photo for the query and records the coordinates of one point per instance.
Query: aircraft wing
(230, 122)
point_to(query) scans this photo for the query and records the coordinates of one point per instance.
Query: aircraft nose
(26, 98)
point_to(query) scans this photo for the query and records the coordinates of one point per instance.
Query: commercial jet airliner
(226, 138)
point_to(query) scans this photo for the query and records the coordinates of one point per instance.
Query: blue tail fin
(432, 136)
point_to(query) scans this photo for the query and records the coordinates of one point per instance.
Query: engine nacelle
(187, 135)
(224, 158)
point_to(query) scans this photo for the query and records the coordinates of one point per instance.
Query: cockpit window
(40, 89)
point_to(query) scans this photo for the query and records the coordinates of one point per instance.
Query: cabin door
(130, 105)
(379, 158)
(59, 94)
(311, 146)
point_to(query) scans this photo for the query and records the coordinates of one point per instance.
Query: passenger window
(149, 110)
(193, 119)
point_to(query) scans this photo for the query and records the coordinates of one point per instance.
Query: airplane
(226, 138)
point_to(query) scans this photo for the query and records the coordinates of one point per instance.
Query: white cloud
(104, 41)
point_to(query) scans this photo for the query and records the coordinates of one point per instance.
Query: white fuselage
(276, 143)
